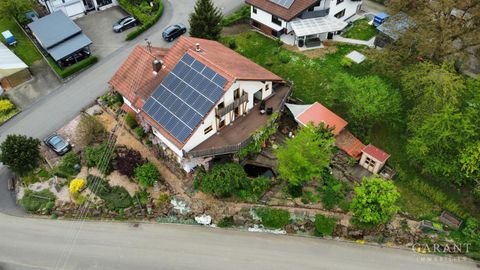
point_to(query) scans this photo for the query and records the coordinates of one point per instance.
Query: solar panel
(283, 3)
(185, 96)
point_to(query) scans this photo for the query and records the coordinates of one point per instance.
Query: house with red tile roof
(306, 21)
(199, 98)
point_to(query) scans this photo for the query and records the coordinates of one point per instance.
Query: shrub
(147, 174)
(148, 20)
(20, 153)
(127, 160)
(98, 157)
(139, 132)
(112, 98)
(284, 57)
(232, 44)
(222, 180)
(69, 71)
(69, 161)
(142, 197)
(259, 185)
(76, 185)
(324, 225)
(273, 218)
(131, 120)
(90, 130)
(6, 106)
(346, 62)
(115, 197)
(162, 200)
(240, 15)
(295, 190)
(226, 222)
(34, 201)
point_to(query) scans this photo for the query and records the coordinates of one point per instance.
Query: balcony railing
(215, 151)
(314, 14)
(230, 107)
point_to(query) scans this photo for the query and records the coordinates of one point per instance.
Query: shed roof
(53, 29)
(69, 46)
(9, 62)
(349, 144)
(396, 25)
(376, 153)
(316, 113)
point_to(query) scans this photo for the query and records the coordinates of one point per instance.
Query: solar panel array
(184, 97)
(283, 3)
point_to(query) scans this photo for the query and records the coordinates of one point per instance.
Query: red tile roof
(349, 144)
(135, 78)
(223, 60)
(376, 153)
(317, 113)
(286, 14)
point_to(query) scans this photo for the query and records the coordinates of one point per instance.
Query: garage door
(75, 9)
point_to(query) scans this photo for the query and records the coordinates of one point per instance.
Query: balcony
(234, 137)
(230, 107)
(314, 14)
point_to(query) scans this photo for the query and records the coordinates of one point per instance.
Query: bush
(240, 15)
(115, 197)
(273, 218)
(139, 132)
(226, 222)
(147, 174)
(284, 57)
(295, 190)
(90, 130)
(97, 157)
(324, 225)
(259, 185)
(142, 197)
(222, 180)
(6, 106)
(76, 185)
(139, 12)
(34, 201)
(69, 71)
(127, 160)
(69, 161)
(346, 62)
(112, 98)
(232, 44)
(131, 120)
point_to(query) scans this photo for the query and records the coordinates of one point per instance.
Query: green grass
(5, 117)
(361, 30)
(25, 49)
(34, 201)
(77, 67)
(312, 77)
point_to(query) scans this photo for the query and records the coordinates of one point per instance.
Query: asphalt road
(43, 244)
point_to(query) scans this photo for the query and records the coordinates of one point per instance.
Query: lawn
(421, 197)
(25, 49)
(361, 30)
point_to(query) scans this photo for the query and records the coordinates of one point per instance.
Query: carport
(61, 38)
(311, 32)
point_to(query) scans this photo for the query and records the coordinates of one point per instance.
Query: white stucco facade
(349, 6)
(265, 18)
(77, 8)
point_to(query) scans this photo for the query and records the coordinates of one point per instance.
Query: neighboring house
(309, 21)
(13, 71)
(199, 98)
(60, 37)
(77, 8)
(391, 30)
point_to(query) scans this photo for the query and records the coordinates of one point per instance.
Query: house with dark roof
(61, 38)
(307, 21)
(199, 98)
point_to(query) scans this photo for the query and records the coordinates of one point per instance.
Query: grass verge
(361, 30)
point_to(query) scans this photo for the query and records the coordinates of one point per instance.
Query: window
(207, 130)
(311, 8)
(317, 4)
(339, 2)
(102, 3)
(276, 20)
(254, 10)
(221, 124)
(340, 14)
(267, 87)
(221, 105)
(369, 162)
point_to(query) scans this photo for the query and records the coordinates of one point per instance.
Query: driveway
(43, 83)
(98, 27)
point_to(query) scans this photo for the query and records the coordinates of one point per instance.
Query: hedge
(238, 16)
(69, 71)
(146, 19)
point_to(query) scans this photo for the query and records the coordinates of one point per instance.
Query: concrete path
(368, 43)
(43, 244)
(43, 83)
(373, 7)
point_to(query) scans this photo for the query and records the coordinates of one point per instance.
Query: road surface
(27, 243)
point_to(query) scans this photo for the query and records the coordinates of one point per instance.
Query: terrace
(234, 137)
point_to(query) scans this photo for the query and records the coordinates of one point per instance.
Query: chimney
(197, 47)
(157, 65)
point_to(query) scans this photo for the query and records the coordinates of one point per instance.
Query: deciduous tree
(305, 156)
(147, 174)
(16, 8)
(20, 153)
(222, 180)
(205, 21)
(374, 202)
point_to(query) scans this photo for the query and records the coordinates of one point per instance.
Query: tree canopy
(222, 180)
(205, 21)
(147, 174)
(16, 8)
(305, 156)
(20, 153)
(374, 202)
